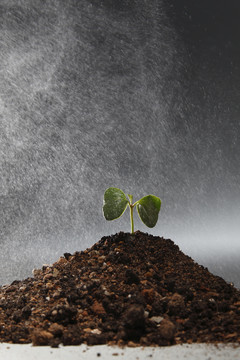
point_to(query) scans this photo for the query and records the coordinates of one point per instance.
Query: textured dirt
(126, 289)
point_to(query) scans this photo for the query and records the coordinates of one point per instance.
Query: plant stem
(131, 213)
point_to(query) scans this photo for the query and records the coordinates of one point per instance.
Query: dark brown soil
(126, 289)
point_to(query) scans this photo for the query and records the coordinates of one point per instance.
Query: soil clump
(126, 289)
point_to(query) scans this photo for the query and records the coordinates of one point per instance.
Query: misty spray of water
(96, 94)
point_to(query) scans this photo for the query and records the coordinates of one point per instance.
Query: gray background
(141, 95)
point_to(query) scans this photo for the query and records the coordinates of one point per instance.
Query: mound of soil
(126, 289)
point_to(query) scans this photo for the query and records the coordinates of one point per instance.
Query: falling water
(107, 93)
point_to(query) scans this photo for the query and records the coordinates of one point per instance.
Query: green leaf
(114, 203)
(148, 208)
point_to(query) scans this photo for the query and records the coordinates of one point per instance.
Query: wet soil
(126, 289)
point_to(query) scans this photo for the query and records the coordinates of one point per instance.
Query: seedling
(115, 203)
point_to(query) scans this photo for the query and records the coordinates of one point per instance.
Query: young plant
(115, 203)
